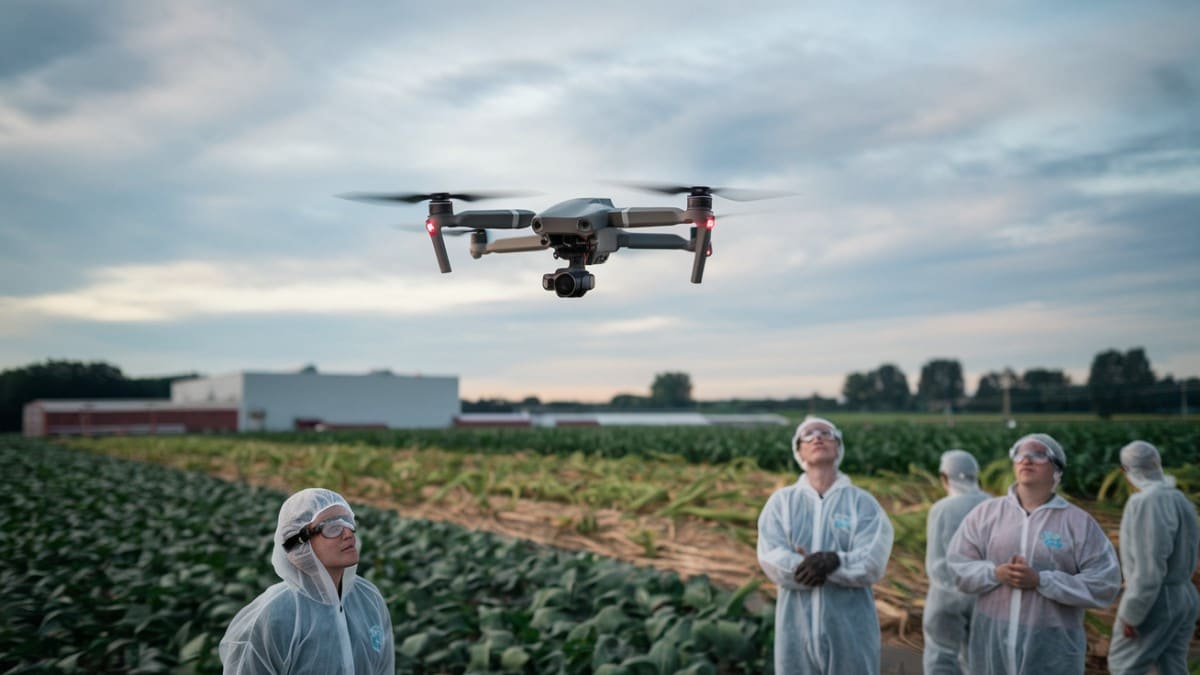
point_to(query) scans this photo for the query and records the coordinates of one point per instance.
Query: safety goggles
(1035, 456)
(330, 528)
(814, 434)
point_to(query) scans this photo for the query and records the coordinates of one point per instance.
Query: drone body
(582, 231)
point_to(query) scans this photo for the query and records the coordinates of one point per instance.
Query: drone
(583, 231)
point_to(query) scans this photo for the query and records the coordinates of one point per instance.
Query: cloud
(185, 289)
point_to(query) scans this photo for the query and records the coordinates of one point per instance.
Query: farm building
(259, 401)
(114, 416)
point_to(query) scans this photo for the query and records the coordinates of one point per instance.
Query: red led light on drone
(710, 222)
(431, 226)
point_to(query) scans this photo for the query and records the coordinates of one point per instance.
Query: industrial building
(260, 401)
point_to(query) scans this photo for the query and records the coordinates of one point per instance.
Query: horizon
(970, 382)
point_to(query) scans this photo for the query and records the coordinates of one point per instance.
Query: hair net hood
(961, 469)
(809, 421)
(300, 624)
(300, 567)
(1143, 465)
(1057, 456)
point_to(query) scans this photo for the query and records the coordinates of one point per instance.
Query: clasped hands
(1018, 574)
(816, 567)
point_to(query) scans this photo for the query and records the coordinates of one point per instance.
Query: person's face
(337, 552)
(1032, 465)
(817, 445)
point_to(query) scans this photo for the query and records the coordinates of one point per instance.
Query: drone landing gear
(570, 282)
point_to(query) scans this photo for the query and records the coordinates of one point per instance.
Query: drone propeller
(441, 211)
(734, 194)
(418, 197)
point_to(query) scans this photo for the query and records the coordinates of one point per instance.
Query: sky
(1008, 184)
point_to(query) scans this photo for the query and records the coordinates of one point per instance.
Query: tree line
(71, 380)
(1118, 382)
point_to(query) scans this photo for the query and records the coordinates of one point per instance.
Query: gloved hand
(816, 567)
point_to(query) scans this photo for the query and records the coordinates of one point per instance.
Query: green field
(156, 531)
(117, 566)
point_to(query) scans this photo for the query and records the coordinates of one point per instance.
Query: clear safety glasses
(1035, 456)
(814, 434)
(330, 528)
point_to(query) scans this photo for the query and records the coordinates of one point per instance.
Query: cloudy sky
(1008, 184)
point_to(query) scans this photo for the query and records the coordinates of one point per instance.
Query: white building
(310, 400)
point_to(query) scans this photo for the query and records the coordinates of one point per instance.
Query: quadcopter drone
(582, 231)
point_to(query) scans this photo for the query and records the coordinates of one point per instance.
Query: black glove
(816, 567)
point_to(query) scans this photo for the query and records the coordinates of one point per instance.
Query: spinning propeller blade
(734, 194)
(418, 197)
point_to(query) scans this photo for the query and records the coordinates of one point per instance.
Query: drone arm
(652, 241)
(496, 219)
(638, 216)
(515, 245)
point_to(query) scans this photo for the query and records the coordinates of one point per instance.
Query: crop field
(682, 500)
(117, 566)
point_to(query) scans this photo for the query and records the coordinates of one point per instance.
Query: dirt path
(686, 545)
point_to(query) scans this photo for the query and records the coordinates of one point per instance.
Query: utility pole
(1006, 383)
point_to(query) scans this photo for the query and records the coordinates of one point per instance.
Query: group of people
(1010, 577)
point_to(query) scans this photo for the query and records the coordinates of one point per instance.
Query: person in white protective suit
(824, 542)
(1036, 563)
(1159, 542)
(947, 618)
(322, 618)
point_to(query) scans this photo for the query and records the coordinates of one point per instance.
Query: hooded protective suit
(301, 625)
(1039, 630)
(832, 628)
(947, 617)
(1159, 541)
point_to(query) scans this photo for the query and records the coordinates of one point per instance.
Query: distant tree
(1035, 378)
(531, 402)
(885, 388)
(1044, 390)
(71, 379)
(488, 405)
(629, 401)
(941, 383)
(989, 392)
(671, 390)
(892, 385)
(858, 391)
(1117, 381)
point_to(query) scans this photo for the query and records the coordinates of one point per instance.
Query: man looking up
(824, 542)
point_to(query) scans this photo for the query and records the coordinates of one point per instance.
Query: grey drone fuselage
(583, 231)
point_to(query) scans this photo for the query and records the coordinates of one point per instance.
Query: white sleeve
(866, 561)
(967, 556)
(1145, 550)
(1099, 578)
(776, 555)
(936, 542)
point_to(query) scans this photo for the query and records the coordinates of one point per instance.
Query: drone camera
(569, 283)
